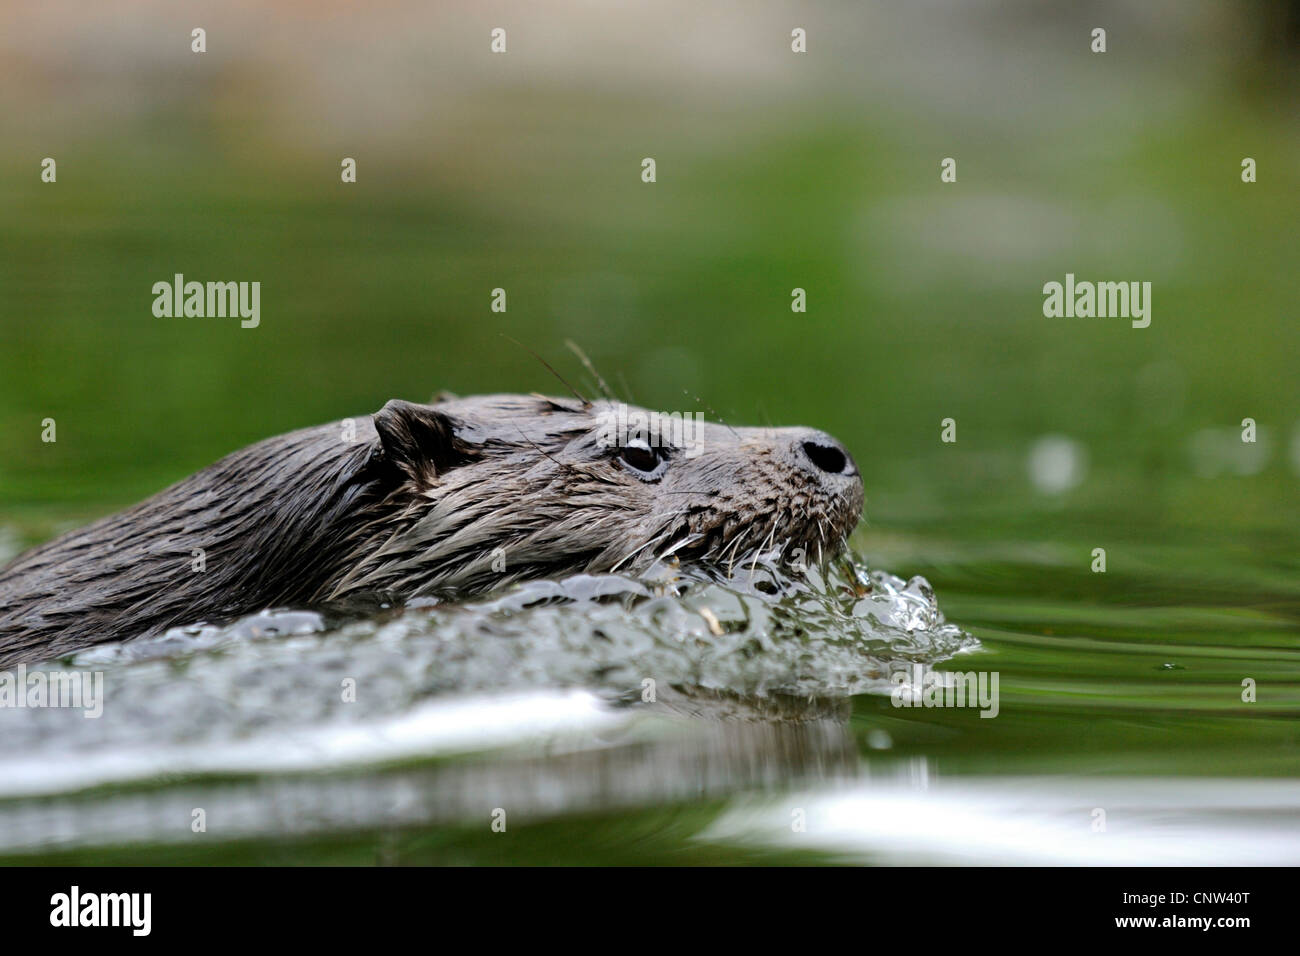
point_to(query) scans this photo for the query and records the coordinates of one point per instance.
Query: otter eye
(644, 461)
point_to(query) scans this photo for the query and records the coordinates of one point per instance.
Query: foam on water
(210, 699)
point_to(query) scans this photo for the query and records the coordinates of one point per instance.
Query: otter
(459, 496)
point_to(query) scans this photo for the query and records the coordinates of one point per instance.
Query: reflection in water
(567, 755)
(787, 784)
(1033, 821)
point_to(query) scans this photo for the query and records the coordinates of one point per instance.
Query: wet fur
(419, 502)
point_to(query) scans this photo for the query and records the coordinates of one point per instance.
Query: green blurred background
(775, 171)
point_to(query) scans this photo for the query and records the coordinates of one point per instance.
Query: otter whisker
(586, 362)
(689, 539)
(754, 566)
(650, 543)
(735, 545)
(563, 381)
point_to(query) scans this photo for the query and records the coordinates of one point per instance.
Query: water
(290, 691)
(683, 716)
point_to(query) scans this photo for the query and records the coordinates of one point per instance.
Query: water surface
(689, 717)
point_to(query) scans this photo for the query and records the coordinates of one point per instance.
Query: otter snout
(825, 454)
(823, 477)
(821, 457)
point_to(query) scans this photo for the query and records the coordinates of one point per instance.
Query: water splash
(747, 642)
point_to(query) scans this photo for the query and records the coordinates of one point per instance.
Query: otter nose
(826, 454)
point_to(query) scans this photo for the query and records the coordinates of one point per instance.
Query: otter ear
(419, 442)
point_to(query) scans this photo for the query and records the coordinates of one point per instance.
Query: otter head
(495, 488)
